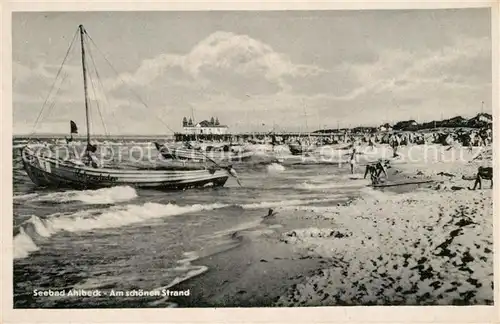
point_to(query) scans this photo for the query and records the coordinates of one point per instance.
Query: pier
(234, 137)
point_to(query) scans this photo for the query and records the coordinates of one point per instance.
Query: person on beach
(483, 173)
(375, 170)
(394, 143)
(274, 141)
(352, 160)
(371, 141)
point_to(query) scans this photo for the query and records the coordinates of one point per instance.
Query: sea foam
(275, 168)
(119, 216)
(25, 196)
(88, 220)
(96, 197)
(292, 202)
(23, 245)
(334, 182)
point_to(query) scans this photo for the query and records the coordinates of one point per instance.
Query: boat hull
(297, 149)
(49, 172)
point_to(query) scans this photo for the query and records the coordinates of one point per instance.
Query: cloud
(464, 64)
(246, 83)
(20, 73)
(222, 54)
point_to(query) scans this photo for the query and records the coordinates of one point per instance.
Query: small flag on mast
(74, 129)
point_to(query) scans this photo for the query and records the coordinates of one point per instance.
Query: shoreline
(261, 268)
(314, 259)
(255, 273)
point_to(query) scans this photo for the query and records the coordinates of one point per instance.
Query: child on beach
(371, 142)
(394, 143)
(352, 160)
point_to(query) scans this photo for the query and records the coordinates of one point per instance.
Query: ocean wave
(189, 271)
(370, 194)
(332, 185)
(275, 168)
(25, 196)
(234, 229)
(88, 220)
(21, 145)
(315, 209)
(296, 202)
(96, 197)
(308, 160)
(118, 216)
(23, 245)
(111, 218)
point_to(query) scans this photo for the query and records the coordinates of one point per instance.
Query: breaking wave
(118, 216)
(297, 202)
(26, 196)
(331, 185)
(91, 219)
(275, 168)
(23, 245)
(96, 197)
(189, 271)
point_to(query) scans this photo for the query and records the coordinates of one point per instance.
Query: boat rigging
(45, 170)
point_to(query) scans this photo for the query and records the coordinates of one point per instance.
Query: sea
(143, 241)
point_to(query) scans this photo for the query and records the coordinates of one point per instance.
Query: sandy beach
(256, 272)
(428, 244)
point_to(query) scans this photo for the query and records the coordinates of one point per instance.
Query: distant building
(457, 121)
(485, 118)
(406, 125)
(385, 128)
(481, 120)
(205, 127)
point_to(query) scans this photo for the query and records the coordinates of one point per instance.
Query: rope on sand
(401, 183)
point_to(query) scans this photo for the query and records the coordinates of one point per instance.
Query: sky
(254, 70)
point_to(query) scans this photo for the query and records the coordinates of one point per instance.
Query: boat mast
(307, 127)
(85, 83)
(192, 116)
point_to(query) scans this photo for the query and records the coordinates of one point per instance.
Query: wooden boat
(183, 158)
(47, 171)
(300, 149)
(181, 153)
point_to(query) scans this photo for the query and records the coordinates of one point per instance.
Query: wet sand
(256, 272)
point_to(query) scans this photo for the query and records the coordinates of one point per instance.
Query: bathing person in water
(270, 213)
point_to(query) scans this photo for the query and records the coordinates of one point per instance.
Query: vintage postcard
(307, 159)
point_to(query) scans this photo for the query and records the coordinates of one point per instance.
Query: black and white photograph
(252, 158)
